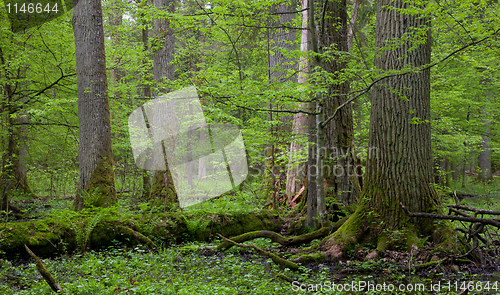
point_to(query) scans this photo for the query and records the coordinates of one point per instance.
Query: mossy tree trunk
(400, 169)
(162, 186)
(97, 176)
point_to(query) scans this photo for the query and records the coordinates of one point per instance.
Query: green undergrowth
(122, 270)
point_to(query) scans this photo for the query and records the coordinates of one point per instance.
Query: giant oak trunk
(400, 168)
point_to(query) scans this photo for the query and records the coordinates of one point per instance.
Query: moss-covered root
(140, 237)
(361, 227)
(44, 272)
(277, 238)
(282, 263)
(305, 258)
(347, 236)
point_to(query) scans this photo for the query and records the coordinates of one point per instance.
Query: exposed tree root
(275, 258)
(140, 237)
(44, 272)
(284, 241)
(316, 257)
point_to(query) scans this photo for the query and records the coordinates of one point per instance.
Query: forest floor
(188, 268)
(173, 270)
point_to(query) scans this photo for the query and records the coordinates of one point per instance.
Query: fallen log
(277, 238)
(44, 272)
(57, 235)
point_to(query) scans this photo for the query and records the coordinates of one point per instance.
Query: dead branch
(453, 217)
(459, 212)
(44, 272)
(275, 258)
(475, 210)
(277, 238)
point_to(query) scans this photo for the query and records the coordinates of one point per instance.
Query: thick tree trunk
(162, 186)
(312, 221)
(97, 176)
(339, 170)
(400, 169)
(280, 40)
(163, 47)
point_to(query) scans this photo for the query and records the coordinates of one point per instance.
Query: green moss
(159, 192)
(100, 190)
(230, 225)
(57, 235)
(403, 240)
(298, 227)
(444, 237)
(189, 249)
(316, 257)
(348, 234)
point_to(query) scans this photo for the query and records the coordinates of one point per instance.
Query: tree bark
(164, 43)
(400, 169)
(97, 176)
(146, 91)
(485, 173)
(340, 169)
(294, 177)
(352, 24)
(162, 186)
(280, 40)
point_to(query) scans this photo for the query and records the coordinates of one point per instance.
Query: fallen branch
(277, 238)
(140, 237)
(282, 276)
(475, 210)
(275, 258)
(452, 217)
(44, 272)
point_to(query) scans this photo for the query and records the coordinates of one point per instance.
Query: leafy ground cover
(175, 270)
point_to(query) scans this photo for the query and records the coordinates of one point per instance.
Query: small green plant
(83, 233)
(90, 197)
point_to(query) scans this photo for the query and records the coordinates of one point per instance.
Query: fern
(83, 233)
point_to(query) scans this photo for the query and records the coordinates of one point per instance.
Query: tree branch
(451, 217)
(405, 73)
(44, 124)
